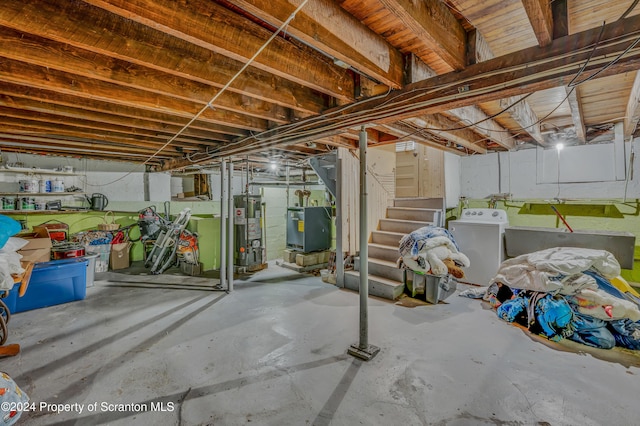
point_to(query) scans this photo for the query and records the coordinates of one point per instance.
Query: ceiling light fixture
(559, 146)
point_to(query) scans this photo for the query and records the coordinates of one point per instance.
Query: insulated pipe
(230, 236)
(223, 224)
(364, 251)
(339, 229)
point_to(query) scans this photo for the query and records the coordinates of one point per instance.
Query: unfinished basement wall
(379, 196)
(612, 205)
(592, 172)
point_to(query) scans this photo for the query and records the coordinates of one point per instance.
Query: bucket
(27, 203)
(58, 185)
(45, 185)
(91, 268)
(29, 185)
(8, 203)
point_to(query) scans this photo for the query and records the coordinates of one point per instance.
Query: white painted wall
(517, 172)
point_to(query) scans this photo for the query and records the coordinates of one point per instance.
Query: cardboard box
(120, 255)
(37, 249)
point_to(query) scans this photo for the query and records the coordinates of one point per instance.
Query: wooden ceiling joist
(82, 147)
(433, 23)
(575, 104)
(15, 94)
(632, 115)
(409, 133)
(327, 27)
(84, 126)
(50, 79)
(96, 66)
(541, 18)
(531, 69)
(124, 40)
(211, 26)
(462, 137)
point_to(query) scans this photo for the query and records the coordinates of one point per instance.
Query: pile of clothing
(567, 292)
(432, 250)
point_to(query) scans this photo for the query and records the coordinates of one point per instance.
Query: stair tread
(377, 278)
(417, 198)
(383, 262)
(406, 221)
(414, 208)
(388, 232)
(382, 246)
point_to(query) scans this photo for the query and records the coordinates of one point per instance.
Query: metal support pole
(363, 349)
(230, 236)
(223, 224)
(339, 229)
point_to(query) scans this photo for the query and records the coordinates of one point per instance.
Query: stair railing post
(363, 349)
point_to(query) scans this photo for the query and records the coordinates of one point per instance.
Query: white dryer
(479, 233)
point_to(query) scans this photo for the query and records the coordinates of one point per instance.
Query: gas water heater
(249, 244)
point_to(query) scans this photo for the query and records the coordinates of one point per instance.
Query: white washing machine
(479, 234)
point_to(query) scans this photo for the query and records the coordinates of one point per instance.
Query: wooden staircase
(386, 280)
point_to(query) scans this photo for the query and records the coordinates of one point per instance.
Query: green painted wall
(580, 215)
(208, 228)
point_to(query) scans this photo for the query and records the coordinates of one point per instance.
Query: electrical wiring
(629, 9)
(402, 103)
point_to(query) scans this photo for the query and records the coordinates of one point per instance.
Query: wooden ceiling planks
(131, 74)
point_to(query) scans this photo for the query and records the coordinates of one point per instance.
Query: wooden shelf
(35, 171)
(38, 194)
(29, 212)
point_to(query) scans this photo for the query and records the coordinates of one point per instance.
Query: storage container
(51, 283)
(434, 288)
(104, 252)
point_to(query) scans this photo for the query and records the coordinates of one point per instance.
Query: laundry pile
(432, 250)
(571, 293)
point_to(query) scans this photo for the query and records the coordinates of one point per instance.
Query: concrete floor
(273, 352)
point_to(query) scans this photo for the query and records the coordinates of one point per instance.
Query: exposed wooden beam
(117, 141)
(486, 126)
(19, 96)
(54, 55)
(560, 18)
(489, 128)
(82, 147)
(211, 26)
(329, 28)
(522, 113)
(433, 23)
(524, 116)
(463, 137)
(51, 79)
(573, 98)
(632, 115)
(132, 42)
(541, 18)
(408, 133)
(522, 72)
(54, 121)
(51, 150)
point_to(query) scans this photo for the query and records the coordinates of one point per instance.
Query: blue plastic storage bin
(51, 283)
